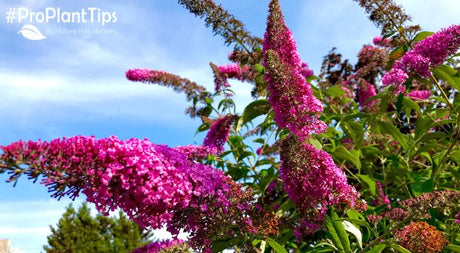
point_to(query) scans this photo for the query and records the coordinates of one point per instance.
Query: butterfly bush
(417, 95)
(313, 182)
(291, 97)
(218, 133)
(288, 191)
(152, 183)
(428, 53)
(366, 91)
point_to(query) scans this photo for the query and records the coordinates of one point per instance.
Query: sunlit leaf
(276, 246)
(352, 229)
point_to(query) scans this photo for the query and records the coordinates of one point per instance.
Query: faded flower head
(446, 201)
(166, 246)
(179, 84)
(372, 62)
(420, 237)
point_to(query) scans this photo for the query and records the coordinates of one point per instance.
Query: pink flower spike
(218, 133)
(418, 95)
(291, 97)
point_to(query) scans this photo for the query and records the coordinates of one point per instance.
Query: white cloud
(10, 231)
(335, 23)
(26, 223)
(432, 15)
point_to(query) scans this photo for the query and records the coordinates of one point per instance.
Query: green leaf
(323, 247)
(202, 128)
(399, 102)
(359, 222)
(311, 78)
(455, 156)
(352, 229)
(315, 143)
(255, 109)
(422, 185)
(260, 68)
(221, 245)
(341, 232)
(453, 248)
(399, 248)
(354, 131)
(278, 248)
(353, 214)
(333, 233)
(342, 153)
(377, 248)
(448, 74)
(422, 35)
(388, 128)
(408, 103)
(370, 183)
(335, 91)
(422, 125)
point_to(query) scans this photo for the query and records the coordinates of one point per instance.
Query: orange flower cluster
(421, 237)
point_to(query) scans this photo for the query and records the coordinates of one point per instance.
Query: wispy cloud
(335, 24)
(433, 15)
(26, 223)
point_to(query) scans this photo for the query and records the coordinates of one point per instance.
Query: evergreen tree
(79, 232)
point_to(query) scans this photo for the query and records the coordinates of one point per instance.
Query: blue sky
(74, 84)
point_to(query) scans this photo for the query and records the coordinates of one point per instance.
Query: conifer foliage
(79, 232)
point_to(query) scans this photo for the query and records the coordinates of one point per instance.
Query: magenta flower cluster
(229, 71)
(291, 97)
(142, 75)
(381, 199)
(366, 91)
(380, 41)
(151, 183)
(313, 181)
(418, 95)
(218, 133)
(428, 53)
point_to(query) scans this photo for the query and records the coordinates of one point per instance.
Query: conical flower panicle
(278, 37)
(312, 180)
(291, 97)
(218, 133)
(179, 84)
